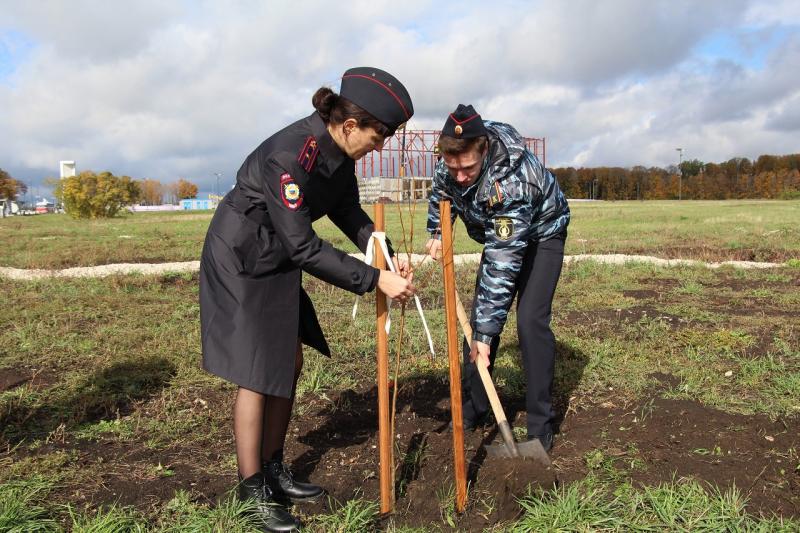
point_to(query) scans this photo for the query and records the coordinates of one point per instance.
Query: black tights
(260, 422)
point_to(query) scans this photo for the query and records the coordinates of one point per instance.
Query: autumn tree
(152, 192)
(9, 187)
(171, 193)
(691, 167)
(185, 189)
(768, 177)
(90, 195)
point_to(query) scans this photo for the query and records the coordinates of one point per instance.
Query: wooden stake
(384, 429)
(454, 355)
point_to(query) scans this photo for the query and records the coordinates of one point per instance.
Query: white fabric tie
(369, 256)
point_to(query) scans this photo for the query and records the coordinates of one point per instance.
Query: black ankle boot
(284, 487)
(272, 516)
(546, 440)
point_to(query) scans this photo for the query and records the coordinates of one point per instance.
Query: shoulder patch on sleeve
(291, 194)
(495, 196)
(503, 228)
(308, 155)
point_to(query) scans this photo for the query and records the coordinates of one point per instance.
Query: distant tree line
(156, 193)
(98, 195)
(768, 176)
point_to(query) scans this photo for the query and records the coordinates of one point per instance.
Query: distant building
(45, 206)
(136, 208)
(191, 204)
(67, 169)
(395, 189)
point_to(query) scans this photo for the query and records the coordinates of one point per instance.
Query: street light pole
(680, 172)
(218, 175)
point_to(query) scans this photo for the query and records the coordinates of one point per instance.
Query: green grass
(99, 338)
(353, 516)
(113, 373)
(683, 505)
(20, 507)
(117, 362)
(109, 520)
(22, 510)
(759, 230)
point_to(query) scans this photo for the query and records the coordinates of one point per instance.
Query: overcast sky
(168, 89)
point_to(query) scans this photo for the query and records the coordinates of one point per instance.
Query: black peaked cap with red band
(464, 123)
(378, 93)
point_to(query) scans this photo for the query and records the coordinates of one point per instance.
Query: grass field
(738, 230)
(678, 389)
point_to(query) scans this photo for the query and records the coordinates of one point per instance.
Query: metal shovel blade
(529, 449)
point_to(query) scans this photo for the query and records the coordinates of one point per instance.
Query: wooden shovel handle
(491, 392)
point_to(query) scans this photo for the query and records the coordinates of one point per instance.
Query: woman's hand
(395, 286)
(402, 267)
(434, 248)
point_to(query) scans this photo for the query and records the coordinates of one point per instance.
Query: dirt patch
(746, 285)
(597, 318)
(715, 253)
(334, 443)
(660, 285)
(761, 346)
(660, 440)
(642, 294)
(109, 392)
(665, 382)
(127, 473)
(337, 447)
(12, 377)
(736, 300)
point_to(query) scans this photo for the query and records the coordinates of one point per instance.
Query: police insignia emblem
(459, 130)
(503, 228)
(290, 192)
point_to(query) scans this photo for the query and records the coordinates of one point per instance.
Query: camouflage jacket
(514, 201)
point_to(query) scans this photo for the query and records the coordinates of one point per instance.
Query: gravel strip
(102, 271)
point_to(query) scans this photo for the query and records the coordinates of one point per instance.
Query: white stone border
(102, 271)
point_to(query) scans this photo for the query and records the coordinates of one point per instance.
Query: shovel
(509, 448)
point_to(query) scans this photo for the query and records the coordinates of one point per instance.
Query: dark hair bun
(324, 100)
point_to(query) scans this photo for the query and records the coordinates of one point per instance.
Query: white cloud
(168, 89)
(775, 12)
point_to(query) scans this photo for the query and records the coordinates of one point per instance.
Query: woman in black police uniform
(253, 311)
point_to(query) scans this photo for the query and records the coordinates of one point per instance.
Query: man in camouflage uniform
(513, 205)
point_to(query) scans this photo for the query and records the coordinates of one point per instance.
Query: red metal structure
(411, 153)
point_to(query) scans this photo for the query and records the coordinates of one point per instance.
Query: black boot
(471, 425)
(272, 517)
(546, 440)
(284, 487)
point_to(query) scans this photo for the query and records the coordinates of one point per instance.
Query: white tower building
(67, 169)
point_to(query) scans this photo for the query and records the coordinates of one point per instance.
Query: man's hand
(479, 354)
(434, 248)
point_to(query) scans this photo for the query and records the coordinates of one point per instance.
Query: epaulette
(308, 155)
(496, 196)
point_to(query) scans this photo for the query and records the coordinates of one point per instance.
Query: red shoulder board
(291, 194)
(497, 197)
(308, 155)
